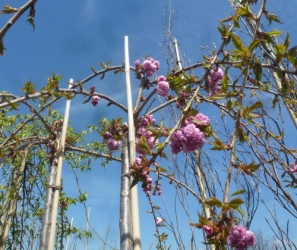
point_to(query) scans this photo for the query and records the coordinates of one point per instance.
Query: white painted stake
(177, 54)
(57, 185)
(68, 237)
(134, 192)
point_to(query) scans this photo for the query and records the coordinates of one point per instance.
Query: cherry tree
(218, 126)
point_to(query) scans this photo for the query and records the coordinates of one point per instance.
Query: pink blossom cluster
(162, 86)
(293, 168)
(95, 100)
(189, 137)
(240, 238)
(110, 142)
(147, 185)
(216, 74)
(143, 132)
(148, 181)
(149, 66)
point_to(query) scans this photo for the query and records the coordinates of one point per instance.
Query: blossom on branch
(190, 137)
(158, 221)
(240, 238)
(208, 230)
(216, 75)
(144, 135)
(148, 67)
(95, 100)
(293, 168)
(162, 86)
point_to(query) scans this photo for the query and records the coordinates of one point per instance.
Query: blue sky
(71, 36)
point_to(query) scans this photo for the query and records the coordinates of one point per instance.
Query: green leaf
(287, 41)
(271, 17)
(241, 191)
(257, 70)
(213, 202)
(274, 33)
(255, 44)
(250, 168)
(236, 42)
(240, 211)
(235, 203)
(242, 137)
(256, 105)
(161, 169)
(29, 88)
(30, 20)
(135, 181)
(8, 10)
(229, 104)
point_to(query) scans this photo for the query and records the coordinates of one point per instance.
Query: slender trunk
(201, 183)
(9, 204)
(47, 211)
(125, 202)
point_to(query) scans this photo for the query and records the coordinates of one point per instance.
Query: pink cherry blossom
(138, 161)
(293, 168)
(188, 139)
(216, 74)
(250, 238)
(208, 230)
(162, 88)
(137, 64)
(199, 120)
(95, 100)
(158, 221)
(112, 144)
(240, 238)
(149, 66)
(192, 138)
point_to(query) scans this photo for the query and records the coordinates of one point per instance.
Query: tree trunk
(9, 204)
(47, 212)
(125, 202)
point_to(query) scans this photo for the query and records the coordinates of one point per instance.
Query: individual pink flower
(240, 238)
(216, 74)
(192, 138)
(175, 143)
(162, 88)
(146, 120)
(250, 238)
(213, 88)
(199, 120)
(208, 230)
(158, 221)
(144, 132)
(138, 161)
(137, 64)
(95, 100)
(147, 191)
(112, 144)
(238, 232)
(293, 168)
(157, 65)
